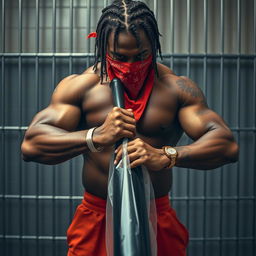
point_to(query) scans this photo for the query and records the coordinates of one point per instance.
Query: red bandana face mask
(138, 79)
(132, 75)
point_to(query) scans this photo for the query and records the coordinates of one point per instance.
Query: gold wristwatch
(172, 154)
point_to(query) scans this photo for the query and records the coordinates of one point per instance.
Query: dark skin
(176, 105)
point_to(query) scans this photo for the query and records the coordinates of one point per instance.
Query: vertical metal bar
(54, 26)
(88, 31)
(172, 32)
(205, 26)
(188, 75)
(238, 115)
(254, 147)
(53, 86)
(239, 28)
(20, 119)
(188, 36)
(71, 35)
(70, 72)
(3, 124)
(205, 92)
(221, 113)
(37, 108)
(105, 3)
(254, 165)
(156, 8)
(222, 27)
(3, 26)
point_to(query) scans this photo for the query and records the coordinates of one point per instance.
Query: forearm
(51, 145)
(212, 150)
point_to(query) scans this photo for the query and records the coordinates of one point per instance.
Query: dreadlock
(125, 15)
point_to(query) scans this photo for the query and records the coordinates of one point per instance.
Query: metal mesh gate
(211, 41)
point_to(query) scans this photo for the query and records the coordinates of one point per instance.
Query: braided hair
(125, 15)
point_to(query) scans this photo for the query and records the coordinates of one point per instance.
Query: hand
(140, 152)
(120, 123)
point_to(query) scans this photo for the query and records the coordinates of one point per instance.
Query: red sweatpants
(86, 234)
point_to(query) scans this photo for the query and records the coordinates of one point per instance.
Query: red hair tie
(92, 34)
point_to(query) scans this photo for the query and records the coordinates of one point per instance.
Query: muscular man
(160, 106)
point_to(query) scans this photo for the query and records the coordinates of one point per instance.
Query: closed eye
(119, 57)
(141, 56)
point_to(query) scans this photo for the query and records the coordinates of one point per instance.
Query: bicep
(195, 117)
(59, 115)
(64, 111)
(198, 119)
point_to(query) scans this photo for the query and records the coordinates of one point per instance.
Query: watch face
(171, 151)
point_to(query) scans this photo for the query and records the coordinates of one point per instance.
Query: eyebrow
(118, 54)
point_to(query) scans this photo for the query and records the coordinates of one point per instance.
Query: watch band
(90, 142)
(172, 157)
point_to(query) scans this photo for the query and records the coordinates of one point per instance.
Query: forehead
(126, 40)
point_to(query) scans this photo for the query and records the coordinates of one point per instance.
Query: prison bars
(254, 148)
(3, 117)
(172, 56)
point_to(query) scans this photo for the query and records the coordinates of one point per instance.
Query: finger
(130, 148)
(118, 148)
(133, 156)
(132, 153)
(138, 162)
(124, 115)
(127, 134)
(132, 143)
(119, 152)
(118, 155)
(123, 110)
(128, 119)
(130, 128)
(127, 112)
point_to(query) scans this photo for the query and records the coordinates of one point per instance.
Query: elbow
(27, 151)
(232, 153)
(30, 153)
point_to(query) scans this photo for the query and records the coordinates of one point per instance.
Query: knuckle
(130, 135)
(141, 143)
(118, 123)
(116, 109)
(142, 161)
(118, 130)
(144, 152)
(117, 115)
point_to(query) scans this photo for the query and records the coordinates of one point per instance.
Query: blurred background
(211, 41)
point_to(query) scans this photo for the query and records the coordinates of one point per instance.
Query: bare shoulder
(96, 71)
(187, 91)
(72, 88)
(93, 70)
(163, 70)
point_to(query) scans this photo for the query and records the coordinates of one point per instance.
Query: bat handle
(117, 92)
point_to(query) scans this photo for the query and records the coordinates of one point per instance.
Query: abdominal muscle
(96, 169)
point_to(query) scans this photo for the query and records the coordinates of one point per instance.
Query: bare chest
(159, 123)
